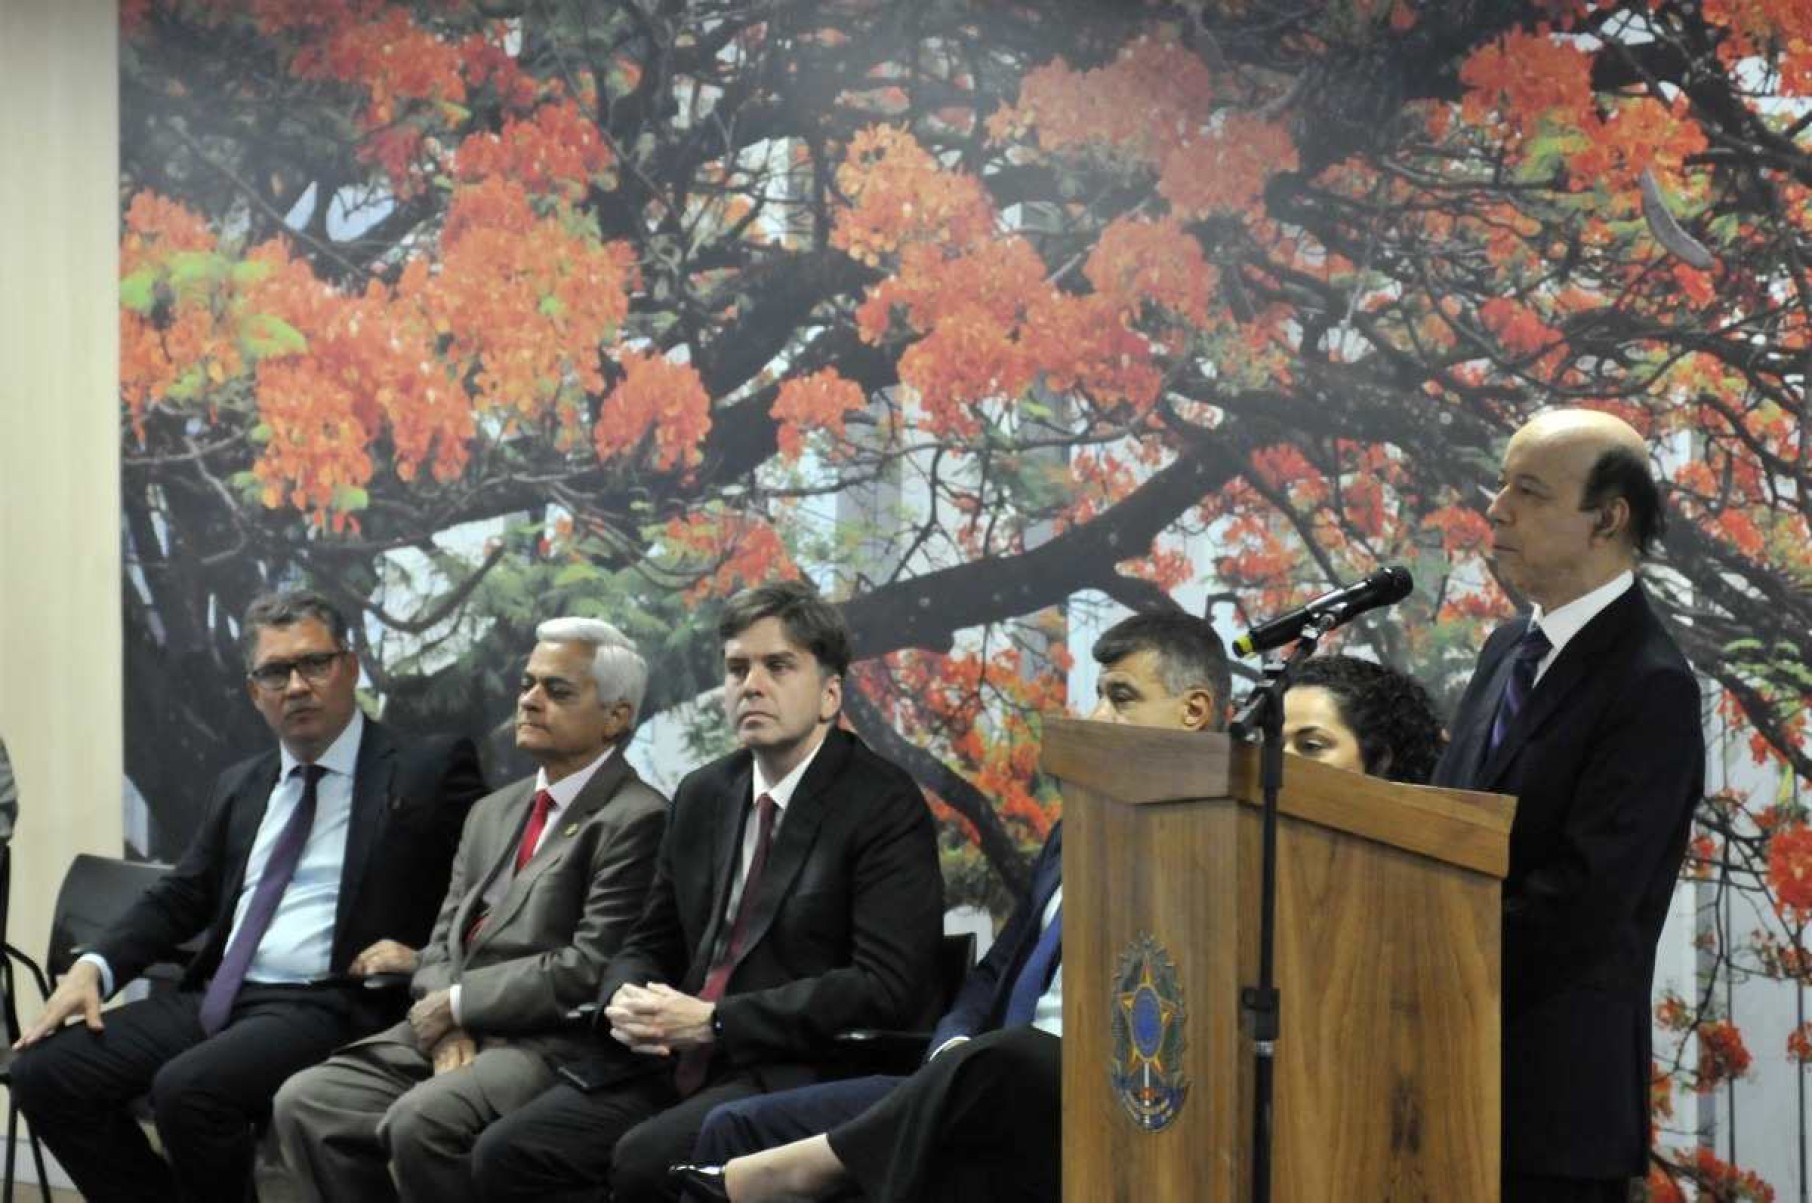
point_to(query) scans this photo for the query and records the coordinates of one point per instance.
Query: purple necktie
(286, 853)
(1529, 652)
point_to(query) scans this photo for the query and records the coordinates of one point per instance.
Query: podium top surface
(1139, 766)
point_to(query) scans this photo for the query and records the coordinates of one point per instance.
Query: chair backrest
(96, 891)
(955, 957)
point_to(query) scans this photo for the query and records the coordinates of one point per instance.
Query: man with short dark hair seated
(980, 1118)
(308, 856)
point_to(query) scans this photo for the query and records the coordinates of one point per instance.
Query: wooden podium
(1387, 1074)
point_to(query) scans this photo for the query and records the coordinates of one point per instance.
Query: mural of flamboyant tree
(470, 313)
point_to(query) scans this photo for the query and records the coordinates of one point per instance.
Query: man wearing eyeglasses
(317, 863)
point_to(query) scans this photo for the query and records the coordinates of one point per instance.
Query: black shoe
(702, 1181)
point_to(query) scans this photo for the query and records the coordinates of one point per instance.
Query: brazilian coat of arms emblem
(1148, 1020)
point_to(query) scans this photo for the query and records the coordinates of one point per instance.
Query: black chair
(9, 1008)
(863, 1051)
(95, 891)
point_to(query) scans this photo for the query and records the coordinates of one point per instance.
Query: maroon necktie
(286, 853)
(690, 1074)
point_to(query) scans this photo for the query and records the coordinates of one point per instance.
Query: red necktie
(537, 822)
(531, 835)
(690, 1074)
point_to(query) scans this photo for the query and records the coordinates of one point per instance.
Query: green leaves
(138, 291)
(264, 336)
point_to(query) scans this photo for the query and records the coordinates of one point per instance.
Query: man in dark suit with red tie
(308, 857)
(1587, 712)
(981, 1118)
(796, 894)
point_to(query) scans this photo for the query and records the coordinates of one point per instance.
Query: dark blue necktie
(1035, 975)
(1529, 652)
(286, 854)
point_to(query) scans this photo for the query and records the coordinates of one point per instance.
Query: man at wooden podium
(1586, 711)
(970, 1122)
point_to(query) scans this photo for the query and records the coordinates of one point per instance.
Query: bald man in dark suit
(1588, 713)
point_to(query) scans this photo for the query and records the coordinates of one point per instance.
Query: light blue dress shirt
(298, 944)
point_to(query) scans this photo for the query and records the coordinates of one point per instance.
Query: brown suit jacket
(543, 949)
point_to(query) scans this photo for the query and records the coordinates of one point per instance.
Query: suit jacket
(408, 802)
(543, 948)
(848, 913)
(982, 1001)
(1607, 761)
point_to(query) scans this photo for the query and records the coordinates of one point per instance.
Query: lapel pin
(572, 829)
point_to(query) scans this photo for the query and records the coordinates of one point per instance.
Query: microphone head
(1394, 584)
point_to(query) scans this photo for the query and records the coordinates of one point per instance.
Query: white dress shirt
(1568, 620)
(1048, 1015)
(782, 792)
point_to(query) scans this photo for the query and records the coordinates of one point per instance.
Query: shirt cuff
(453, 1003)
(946, 1046)
(100, 963)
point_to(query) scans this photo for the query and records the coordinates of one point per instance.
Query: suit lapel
(798, 832)
(1581, 657)
(242, 830)
(726, 848)
(1480, 759)
(371, 805)
(496, 848)
(602, 787)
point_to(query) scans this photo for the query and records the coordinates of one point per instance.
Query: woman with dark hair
(1359, 715)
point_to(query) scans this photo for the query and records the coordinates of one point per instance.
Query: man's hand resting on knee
(79, 993)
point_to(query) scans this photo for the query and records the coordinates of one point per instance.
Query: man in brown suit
(549, 876)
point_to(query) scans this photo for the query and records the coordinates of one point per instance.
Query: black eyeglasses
(314, 668)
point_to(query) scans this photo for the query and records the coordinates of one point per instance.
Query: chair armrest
(387, 981)
(37, 971)
(370, 981)
(880, 1050)
(585, 1012)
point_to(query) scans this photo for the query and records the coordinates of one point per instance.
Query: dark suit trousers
(981, 1122)
(769, 1120)
(568, 1144)
(1527, 1188)
(209, 1096)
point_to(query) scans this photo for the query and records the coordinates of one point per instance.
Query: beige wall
(60, 691)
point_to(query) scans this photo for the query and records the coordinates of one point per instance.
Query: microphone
(1385, 587)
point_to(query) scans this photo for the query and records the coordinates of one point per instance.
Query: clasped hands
(438, 1033)
(659, 1020)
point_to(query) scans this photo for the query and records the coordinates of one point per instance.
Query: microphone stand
(1262, 716)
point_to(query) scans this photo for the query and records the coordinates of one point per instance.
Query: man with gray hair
(551, 872)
